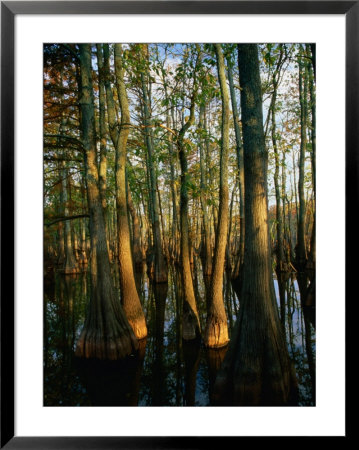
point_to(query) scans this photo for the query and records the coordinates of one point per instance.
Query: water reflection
(166, 371)
(110, 383)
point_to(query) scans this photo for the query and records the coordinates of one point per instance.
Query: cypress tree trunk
(174, 233)
(119, 135)
(239, 149)
(103, 129)
(190, 318)
(216, 332)
(280, 265)
(106, 333)
(312, 255)
(70, 264)
(206, 251)
(61, 235)
(83, 253)
(301, 256)
(160, 273)
(130, 299)
(256, 369)
(136, 240)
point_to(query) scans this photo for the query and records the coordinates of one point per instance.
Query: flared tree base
(256, 373)
(95, 345)
(70, 270)
(139, 327)
(190, 325)
(216, 333)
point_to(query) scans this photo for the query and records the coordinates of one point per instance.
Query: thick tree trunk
(257, 369)
(106, 333)
(216, 332)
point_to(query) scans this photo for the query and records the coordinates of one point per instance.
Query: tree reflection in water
(165, 371)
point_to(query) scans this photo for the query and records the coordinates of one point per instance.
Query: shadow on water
(166, 371)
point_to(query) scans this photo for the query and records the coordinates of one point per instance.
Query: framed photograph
(175, 182)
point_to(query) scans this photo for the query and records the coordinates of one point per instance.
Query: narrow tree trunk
(70, 265)
(106, 333)
(239, 149)
(103, 130)
(130, 299)
(160, 274)
(301, 255)
(174, 229)
(280, 266)
(136, 240)
(190, 318)
(216, 332)
(313, 157)
(206, 250)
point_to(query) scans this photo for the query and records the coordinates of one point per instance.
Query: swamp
(179, 224)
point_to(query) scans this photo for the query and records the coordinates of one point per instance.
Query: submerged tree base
(256, 372)
(190, 325)
(97, 346)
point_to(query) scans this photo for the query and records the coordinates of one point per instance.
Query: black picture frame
(9, 9)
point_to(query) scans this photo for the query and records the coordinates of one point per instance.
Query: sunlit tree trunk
(216, 332)
(190, 318)
(107, 333)
(256, 369)
(129, 296)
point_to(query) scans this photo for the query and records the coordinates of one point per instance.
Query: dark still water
(167, 371)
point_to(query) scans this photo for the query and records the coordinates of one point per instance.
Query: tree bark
(301, 256)
(312, 255)
(216, 332)
(136, 240)
(239, 149)
(106, 333)
(190, 318)
(129, 295)
(280, 265)
(160, 273)
(206, 250)
(256, 369)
